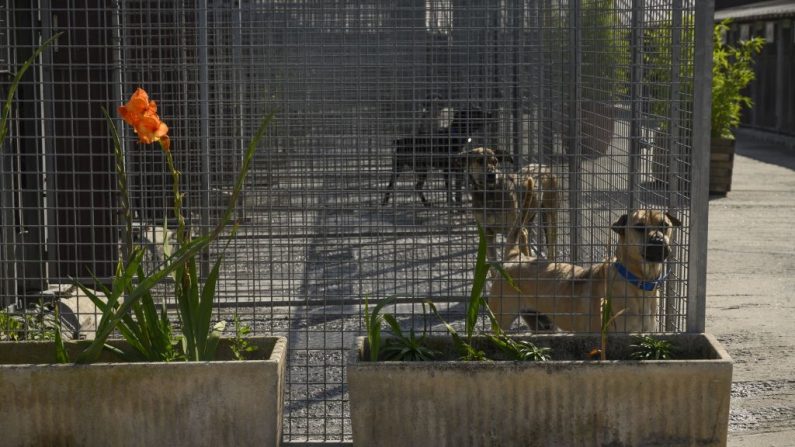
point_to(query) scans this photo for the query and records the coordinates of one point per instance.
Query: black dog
(438, 151)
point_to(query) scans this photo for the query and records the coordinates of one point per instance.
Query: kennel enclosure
(612, 95)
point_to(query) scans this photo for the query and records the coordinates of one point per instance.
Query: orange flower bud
(141, 114)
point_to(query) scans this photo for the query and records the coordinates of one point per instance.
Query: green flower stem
(182, 237)
(121, 180)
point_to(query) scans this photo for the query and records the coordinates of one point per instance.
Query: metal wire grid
(602, 91)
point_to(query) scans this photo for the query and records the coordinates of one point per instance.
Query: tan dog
(502, 202)
(569, 296)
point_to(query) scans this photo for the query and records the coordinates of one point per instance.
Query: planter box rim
(278, 354)
(722, 355)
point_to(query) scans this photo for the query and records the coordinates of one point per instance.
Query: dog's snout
(657, 250)
(657, 238)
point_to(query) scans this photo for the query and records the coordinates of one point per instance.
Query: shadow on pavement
(766, 151)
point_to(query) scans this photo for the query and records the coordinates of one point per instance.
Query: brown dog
(569, 296)
(502, 202)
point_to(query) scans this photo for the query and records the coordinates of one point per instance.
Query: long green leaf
(205, 311)
(148, 313)
(61, 355)
(185, 300)
(126, 333)
(206, 303)
(101, 305)
(158, 328)
(373, 339)
(133, 333)
(104, 307)
(373, 325)
(507, 276)
(120, 283)
(478, 283)
(195, 297)
(459, 342)
(241, 177)
(15, 84)
(112, 314)
(211, 346)
(495, 325)
(138, 328)
(393, 324)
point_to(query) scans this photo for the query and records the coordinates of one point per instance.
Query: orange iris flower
(141, 114)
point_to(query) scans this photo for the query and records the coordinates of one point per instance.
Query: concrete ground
(751, 291)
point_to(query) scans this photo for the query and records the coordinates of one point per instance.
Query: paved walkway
(751, 291)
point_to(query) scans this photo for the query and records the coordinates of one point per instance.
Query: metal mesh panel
(600, 91)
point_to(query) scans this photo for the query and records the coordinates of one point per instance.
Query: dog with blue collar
(569, 296)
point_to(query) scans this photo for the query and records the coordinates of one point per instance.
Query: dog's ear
(674, 221)
(620, 225)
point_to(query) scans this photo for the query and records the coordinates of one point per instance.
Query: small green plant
(148, 333)
(241, 348)
(647, 347)
(372, 323)
(400, 347)
(466, 350)
(464, 345)
(408, 348)
(32, 324)
(732, 71)
(11, 328)
(521, 350)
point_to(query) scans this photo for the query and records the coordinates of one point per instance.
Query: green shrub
(732, 71)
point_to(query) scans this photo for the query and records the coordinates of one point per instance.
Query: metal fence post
(699, 178)
(204, 130)
(575, 126)
(636, 112)
(674, 147)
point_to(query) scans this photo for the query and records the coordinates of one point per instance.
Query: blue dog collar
(648, 286)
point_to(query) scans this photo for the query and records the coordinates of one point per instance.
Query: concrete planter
(215, 403)
(568, 402)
